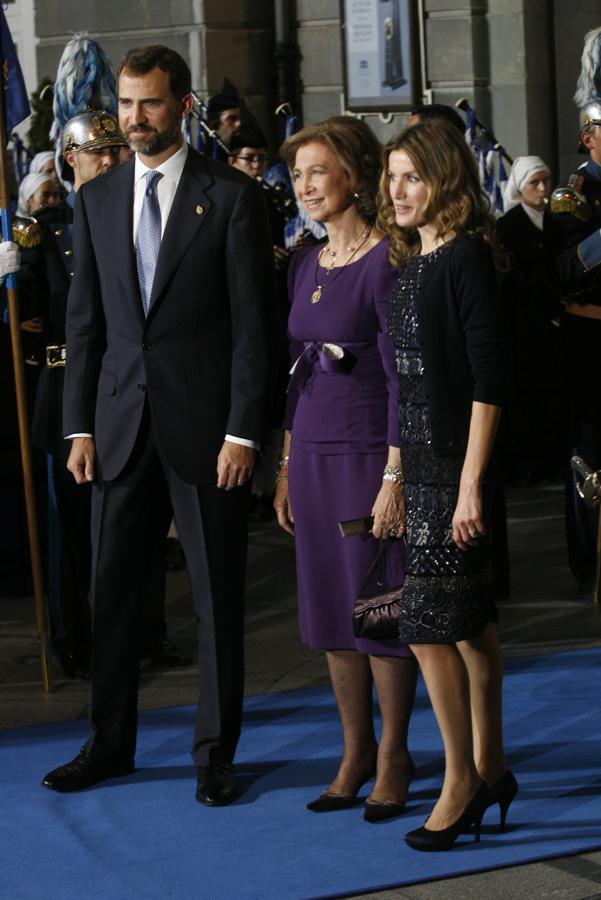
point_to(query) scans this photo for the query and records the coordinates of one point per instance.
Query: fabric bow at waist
(335, 359)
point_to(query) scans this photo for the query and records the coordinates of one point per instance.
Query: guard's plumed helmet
(91, 131)
(590, 115)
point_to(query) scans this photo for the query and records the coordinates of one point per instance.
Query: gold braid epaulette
(27, 232)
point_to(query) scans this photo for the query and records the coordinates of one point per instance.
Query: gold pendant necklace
(316, 295)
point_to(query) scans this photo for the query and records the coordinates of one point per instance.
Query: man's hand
(81, 459)
(235, 464)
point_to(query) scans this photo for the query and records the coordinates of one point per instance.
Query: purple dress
(342, 411)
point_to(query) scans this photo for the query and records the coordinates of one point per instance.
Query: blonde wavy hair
(456, 202)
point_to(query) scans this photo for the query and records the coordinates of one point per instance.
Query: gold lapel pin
(199, 210)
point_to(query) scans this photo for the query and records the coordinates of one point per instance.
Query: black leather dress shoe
(163, 652)
(74, 658)
(215, 785)
(84, 771)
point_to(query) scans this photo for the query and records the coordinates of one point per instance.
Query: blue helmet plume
(589, 81)
(85, 80)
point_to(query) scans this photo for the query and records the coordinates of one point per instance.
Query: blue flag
(16, 101)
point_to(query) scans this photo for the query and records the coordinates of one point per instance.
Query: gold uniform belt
(56, 355)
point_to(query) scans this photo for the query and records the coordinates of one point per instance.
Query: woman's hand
(389, 511)
(468, 524)
(281, 504)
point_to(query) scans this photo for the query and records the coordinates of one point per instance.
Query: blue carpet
(145, 836)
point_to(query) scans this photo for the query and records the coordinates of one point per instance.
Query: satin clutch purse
(376, 614)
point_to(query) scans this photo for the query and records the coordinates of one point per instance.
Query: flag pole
(24, 439)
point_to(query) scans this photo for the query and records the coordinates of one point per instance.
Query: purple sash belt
(336, 359)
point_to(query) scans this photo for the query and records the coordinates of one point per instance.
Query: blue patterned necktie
(148, 243)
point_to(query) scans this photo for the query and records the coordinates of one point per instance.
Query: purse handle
(377, 564)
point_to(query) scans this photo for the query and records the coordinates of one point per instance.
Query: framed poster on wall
(380, 40)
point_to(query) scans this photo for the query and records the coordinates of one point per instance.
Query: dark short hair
(428, 112)
(142, 60)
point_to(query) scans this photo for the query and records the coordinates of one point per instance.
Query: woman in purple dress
(341, 456)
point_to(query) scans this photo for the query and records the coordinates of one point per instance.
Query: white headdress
(523, 168)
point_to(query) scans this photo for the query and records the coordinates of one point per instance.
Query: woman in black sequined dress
(445, 324)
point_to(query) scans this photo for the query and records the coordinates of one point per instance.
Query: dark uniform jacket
(46, 274)
(579, 262)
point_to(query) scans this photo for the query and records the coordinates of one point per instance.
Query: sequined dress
(446, 594)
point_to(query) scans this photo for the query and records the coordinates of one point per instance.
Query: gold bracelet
(394, 474)
(282, 473)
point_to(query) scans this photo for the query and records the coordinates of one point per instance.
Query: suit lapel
(188, 214)
(121, 227)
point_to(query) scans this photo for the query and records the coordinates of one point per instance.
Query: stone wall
(215, 37)
(516, 61)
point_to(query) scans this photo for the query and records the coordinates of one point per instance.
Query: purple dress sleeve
(386, 277)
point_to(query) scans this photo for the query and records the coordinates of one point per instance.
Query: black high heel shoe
(380, 810)
(503, 792)
(333, 802)
(425, 839)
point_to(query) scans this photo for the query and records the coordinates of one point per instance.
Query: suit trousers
(130, 517)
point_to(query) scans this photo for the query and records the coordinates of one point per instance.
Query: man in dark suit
(166, 390)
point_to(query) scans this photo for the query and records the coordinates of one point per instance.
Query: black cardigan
(461, 340)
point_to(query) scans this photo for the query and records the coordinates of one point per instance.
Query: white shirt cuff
(244, 441)
(229, 437)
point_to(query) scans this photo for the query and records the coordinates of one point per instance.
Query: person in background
(577, 212)
(223, 114)
(529, 235)
(248, 154)
(431, 112)
(444, 321)
(43, 162)
(37, 191)
(93, 140)
(341, 459)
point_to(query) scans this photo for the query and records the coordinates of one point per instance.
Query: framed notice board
(380, 40)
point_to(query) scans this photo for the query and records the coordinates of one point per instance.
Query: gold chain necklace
(316, 295)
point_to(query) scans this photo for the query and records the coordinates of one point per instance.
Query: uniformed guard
(223, 116)
(577, 208)
(91, 144)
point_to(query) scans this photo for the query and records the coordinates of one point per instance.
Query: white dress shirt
(171, 171)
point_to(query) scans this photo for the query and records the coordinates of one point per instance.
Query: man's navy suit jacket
(202, 357)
